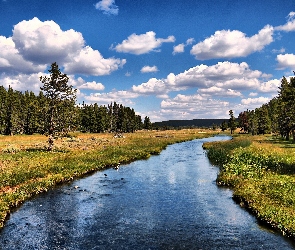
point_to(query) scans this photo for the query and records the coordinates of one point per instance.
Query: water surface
(169, 201)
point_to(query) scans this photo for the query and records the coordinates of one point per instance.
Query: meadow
(261, 172)
(27, 168)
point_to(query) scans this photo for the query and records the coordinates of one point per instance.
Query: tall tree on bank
(147, 123)
(60, 103)
(232, 122)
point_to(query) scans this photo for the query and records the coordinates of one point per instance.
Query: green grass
(261, 172)
(27, 169)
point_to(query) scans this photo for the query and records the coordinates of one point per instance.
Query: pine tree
(61, 101)
(232, 122)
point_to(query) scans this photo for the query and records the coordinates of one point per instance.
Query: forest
(55, 106)
(276, 117)
(26, 113)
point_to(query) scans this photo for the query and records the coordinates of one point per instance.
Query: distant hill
(190, 123)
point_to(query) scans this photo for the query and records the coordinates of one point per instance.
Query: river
(170, 201)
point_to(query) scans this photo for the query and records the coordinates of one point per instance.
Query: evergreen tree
(287, 107)
(232, 122)
(273, 114)
(263, 120)
(252, 122)
(244, 121)
(223, 126)
(61, 101)
(147, 123)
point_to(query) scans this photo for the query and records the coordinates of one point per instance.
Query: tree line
(54, 111)
(277, 116)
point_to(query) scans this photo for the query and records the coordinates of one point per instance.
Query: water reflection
(170, 201)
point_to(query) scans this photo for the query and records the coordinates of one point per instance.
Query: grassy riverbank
(28, 169)
(261, 171)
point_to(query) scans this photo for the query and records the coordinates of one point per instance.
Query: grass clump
(262, 177)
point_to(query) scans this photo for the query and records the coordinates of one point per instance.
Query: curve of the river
(169, 201)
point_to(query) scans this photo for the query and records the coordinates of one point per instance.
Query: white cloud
(152, 87)
(122, 97)
(223, 75)
(178, 49)
(282, 50)
(216, 91)
(252, 94)
(190, 41)
(91, 62)
(81, 84)
(257, 102)
(192, 106)
(149, 69)
(36, 44)
(44, 42)
(22, 82)
(271, 86)
(291, 15)
(290, 25)
(12, 62)
(142, 44)
(285, 61)
(108, 7)
(231, 44)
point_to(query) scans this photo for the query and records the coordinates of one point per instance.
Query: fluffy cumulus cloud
(290, 25)
(180, 47)
(142, 44)
(149, 69)
(186, 106)
(91, 62)
(11, 60)
(285, 61)
(216, 91)
(152, 87)
(22, 81)
(230, 77)
(256, 102)
(122, 97)
(82, 84)
(271, 86)
(36, 44)
(107, 7)
(231, 44)
(44, 42)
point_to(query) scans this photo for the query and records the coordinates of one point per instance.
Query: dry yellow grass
(28, 169)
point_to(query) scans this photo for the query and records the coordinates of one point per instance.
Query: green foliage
(26, 173)
(218, 152)
(26, 113)
(276, 116)
(232, 124)
(147, 123)
(262, 178)
(61, 103)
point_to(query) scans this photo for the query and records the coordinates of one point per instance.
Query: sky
(167, 60)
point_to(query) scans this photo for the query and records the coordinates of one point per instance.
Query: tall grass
(262, 177)
(26, 169)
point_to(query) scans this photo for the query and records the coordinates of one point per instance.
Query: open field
(261, 171)
(28, 169)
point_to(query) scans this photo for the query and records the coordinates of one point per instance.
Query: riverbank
(261, 172)
(28, 169)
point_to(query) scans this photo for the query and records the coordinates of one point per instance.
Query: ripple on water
(169, 201)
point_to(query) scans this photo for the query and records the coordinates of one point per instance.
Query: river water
(169, 201)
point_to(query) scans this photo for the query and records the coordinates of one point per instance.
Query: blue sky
(166, 59)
